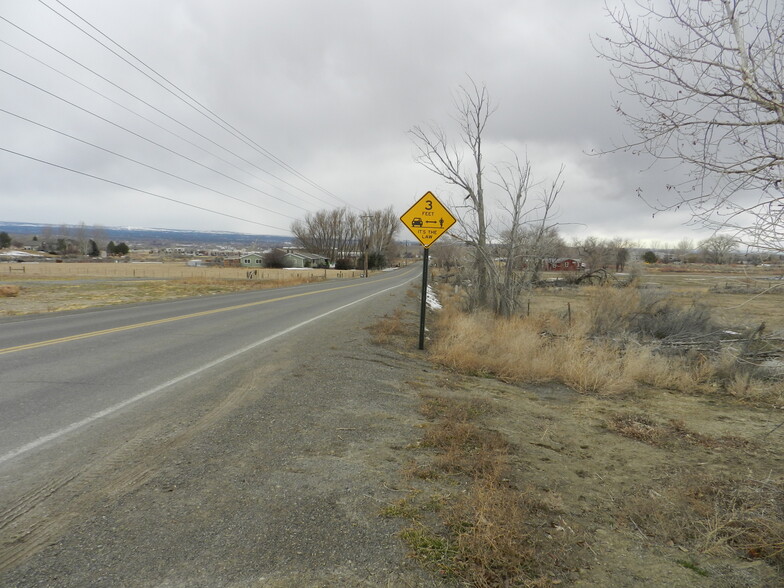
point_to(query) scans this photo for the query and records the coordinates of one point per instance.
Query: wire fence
(165, 271)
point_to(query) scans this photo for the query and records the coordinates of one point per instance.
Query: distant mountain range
(149, 235)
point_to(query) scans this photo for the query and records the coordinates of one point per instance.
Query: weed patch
(489, 533)
(715, 514)
(645, 429)
(389, 327)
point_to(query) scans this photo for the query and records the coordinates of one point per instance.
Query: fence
(170, 271)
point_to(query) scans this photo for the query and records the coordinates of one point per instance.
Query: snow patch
(431, 300)
(20, 254)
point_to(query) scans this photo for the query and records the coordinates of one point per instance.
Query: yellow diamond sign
(428, 219)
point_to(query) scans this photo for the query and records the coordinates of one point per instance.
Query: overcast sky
(327, 88)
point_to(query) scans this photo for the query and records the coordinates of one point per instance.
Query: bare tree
(331, 233)
(275, 258)
(596, 253)
(461, 165)
(529, 236)
(381, 226)
(718, 248)
(436, 153)
(619, 248)
(683, 248)
(80, 238)
(341, 234)
(708, 80)
(448, 253)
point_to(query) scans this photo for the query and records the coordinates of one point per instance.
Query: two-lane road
(60, 373)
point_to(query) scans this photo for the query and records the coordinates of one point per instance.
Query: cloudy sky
(309, 106)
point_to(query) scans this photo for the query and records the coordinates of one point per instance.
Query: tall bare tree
(595, 253)
(707, 82)
(529, 236)
(342, 234)
(718, 248)
(438, 154)
(381, 226)
(461, 164)
(332, 233)
(683, 248)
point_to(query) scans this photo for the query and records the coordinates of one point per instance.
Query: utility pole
(365, 218)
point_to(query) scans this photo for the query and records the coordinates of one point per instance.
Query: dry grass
(494, 542)
(489, 533)
(715, 514)
(661, 469)
(172, 270)
(9, 291)
(40, 296)
(389, 327)
(621, 340)
(648, 430)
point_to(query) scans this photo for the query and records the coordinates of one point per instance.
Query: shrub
(344, 263)
(9, 291)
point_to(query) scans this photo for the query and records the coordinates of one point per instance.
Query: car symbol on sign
(416, 222)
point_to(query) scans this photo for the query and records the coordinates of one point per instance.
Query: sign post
(427, 220)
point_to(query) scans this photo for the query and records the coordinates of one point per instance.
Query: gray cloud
(331, 88)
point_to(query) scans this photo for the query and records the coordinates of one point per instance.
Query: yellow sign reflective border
(428, 219)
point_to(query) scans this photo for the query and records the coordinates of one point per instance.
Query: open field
(28, 288)
(736, 295)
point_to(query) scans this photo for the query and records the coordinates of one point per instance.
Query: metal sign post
(423, 309)
(427, 220)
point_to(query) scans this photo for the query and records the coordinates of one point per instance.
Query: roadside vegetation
(604, 432)
(611, 340)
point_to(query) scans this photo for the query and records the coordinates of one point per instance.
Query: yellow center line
(48, 342)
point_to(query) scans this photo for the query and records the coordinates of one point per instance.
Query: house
(563, 264)
(302, 259)
(254, 260)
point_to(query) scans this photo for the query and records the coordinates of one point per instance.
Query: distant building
(301, 259)
(252, 260)
(564, 264)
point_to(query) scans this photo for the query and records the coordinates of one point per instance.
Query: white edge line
(119, 406)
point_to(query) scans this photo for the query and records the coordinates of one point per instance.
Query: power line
(145, 118)
(135, 134)
(210, 115)
(155, 108)
(85, 142)
(120, 184)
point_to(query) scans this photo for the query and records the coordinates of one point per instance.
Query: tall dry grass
(610, 346)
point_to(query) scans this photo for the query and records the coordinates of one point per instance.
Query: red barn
(563, 264)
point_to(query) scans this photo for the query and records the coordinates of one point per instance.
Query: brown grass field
(28, 288)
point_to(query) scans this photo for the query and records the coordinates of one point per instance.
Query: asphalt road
(242, 440)
(60, 373)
